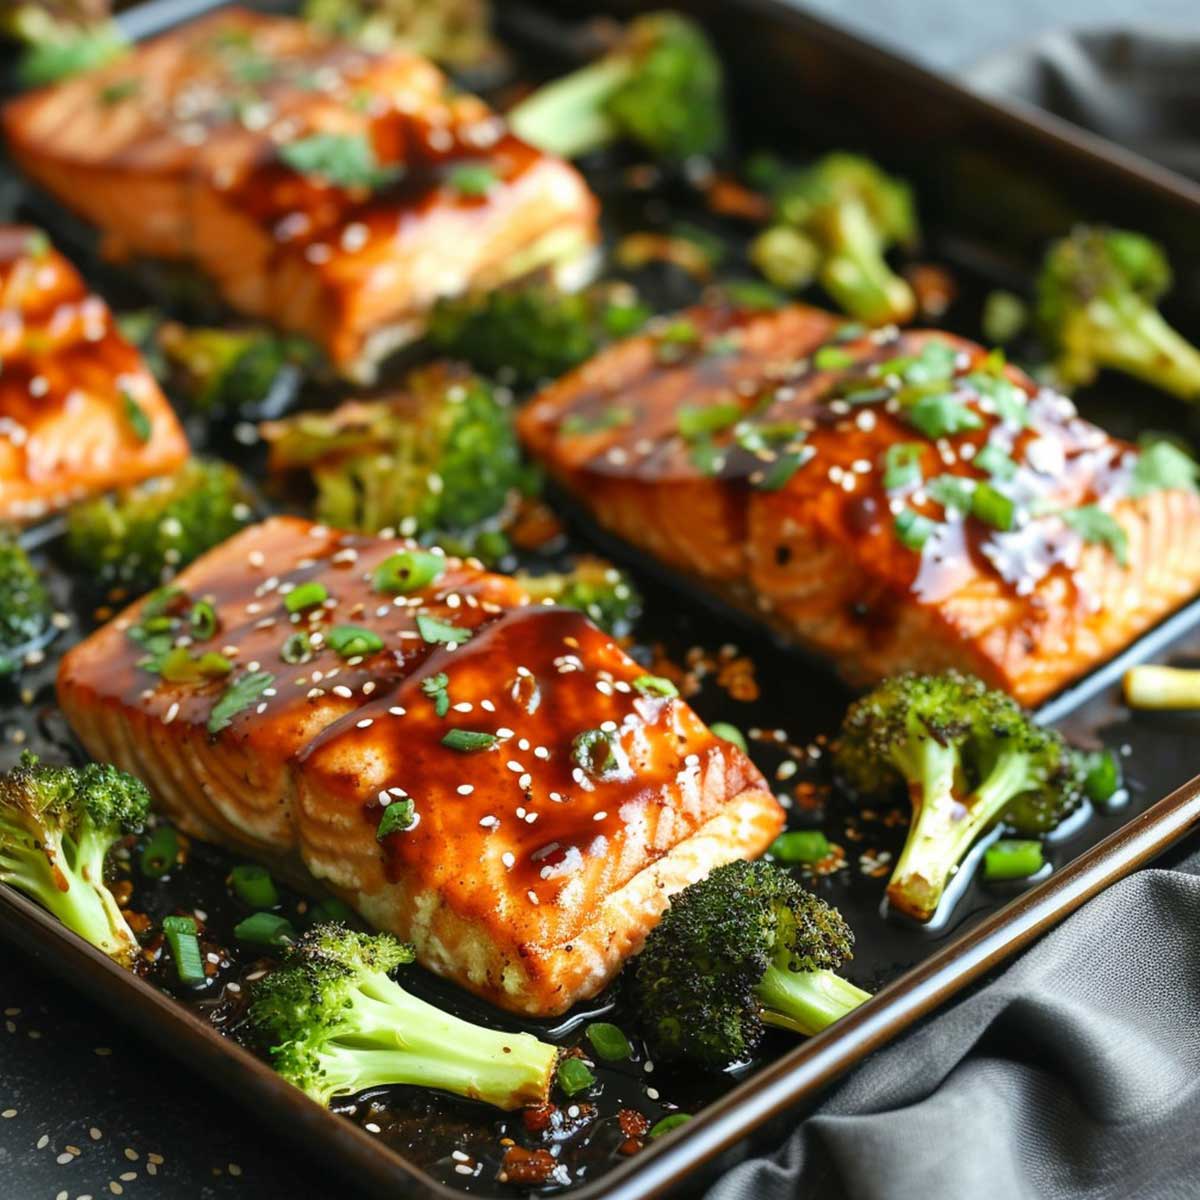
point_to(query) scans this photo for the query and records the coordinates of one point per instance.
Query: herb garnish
(902, 465)
(135, 414)
(343, 159)
(696, 422)
(1093, 524)
(1162, 466)
(941, 414)
(468, 740)
(913, 529)
(952, 491)
(832, 358)
(593, 750)
(472, 179)
(305, 595)
(655, 685)
(435, 687)
(352, 640)
(994, 462)
(408, 571)
(436, 631)
(993, 507)
(399, 816)
(611, 417)
(239, 695)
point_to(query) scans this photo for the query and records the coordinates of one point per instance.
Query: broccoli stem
(569, 116)
(806, 1001)
(1141, 343)
(398, 1038)
(857, 275)
(47, 875)
(944, 829)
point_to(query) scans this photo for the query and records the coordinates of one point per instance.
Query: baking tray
(993, 182)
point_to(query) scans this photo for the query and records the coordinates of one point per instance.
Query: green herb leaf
(466, 741)
(121, 89)
(1162, 466)
(436, 631)
(239, 695)
(265, 929)
(696, 422)
(1008, 401)
(913, 529)
(472, 179)
(934, 363)
(832, 358)
(655, 685)
(435, 687)
(574, 1076)
(780, 472)
(178, 666)
(135, 414)
(351, 641)
(1095, 525)
(952, 491)
(993, 507)
(408, 571)
(994, 462)
(343, 159)
(942, 414)
(611, 417)
(729, 733)
(668, 1123)
(609, 1042)
(676, 340)
(399, 816)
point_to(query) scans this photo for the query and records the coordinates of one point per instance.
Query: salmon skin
(496, 782)
(891, 500)
(334, 191)
(79, 411)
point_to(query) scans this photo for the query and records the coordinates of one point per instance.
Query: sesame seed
(365, 723)
(465, 789)
(488, 822)
(171, 713)
(508, 860)
(342, 690)
(397, 711)
(459, 1156)
(525, 781)
(371, 1127)
(533, 897)
(599, 816)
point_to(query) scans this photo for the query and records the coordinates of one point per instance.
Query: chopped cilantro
(832, 358)
(942, 414)
(343, 159)
(994, 462)
(397, 817)
(239, 695)
(611, 417)
(1161, 466)
(699, 421)
(1093, 524)
(435, 687)
(913, 529)
(435, 631)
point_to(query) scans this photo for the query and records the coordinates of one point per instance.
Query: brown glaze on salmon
(79, 411)
(534, 862)
(174, 152)
(831, 483)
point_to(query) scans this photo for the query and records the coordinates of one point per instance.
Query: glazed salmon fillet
(334, 191)
(495, 781)
(79, 411)
(891, 500)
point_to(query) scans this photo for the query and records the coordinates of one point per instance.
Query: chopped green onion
(1102, 778)
(467, 740)
(160, 852)
(696, 422)
(1013, 859)
(297, 649)
(472, 179)
(668, 1123)
(781, 470)
(350, 641)
(265, 929)
(952, 491)
(593, 751)
(306, 595)
(434, 631)
(994, 462)
(913, 529)
(993, 508)
(180, 933)
(178, 666)
(254, 885)
(728, 733)
(574, 1076)
(942, 415)
(408, 571)
(397, 817)
(800, 846)
(203, 620)
(902, 465)
(608, 1041)
(655, 685)
(135, 414)
(832, 358)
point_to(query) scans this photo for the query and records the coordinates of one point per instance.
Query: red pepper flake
(526, 1167)
(633, 1124)
(537, 1117)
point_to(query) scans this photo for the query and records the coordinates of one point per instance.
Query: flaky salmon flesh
(333, 191)
(494, 781)
(890, 500)
(79, 411)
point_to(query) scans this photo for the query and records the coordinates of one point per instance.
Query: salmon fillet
(79, 411)
(334, 191)
(891, 501)
(531, 862)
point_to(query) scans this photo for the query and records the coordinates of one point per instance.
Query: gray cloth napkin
(1075, 1074)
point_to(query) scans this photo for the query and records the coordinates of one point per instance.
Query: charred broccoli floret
(57, 825)
(1096, 297)
(62, 37)
(660, 86)
(744, 948)
(142, 535)
(441, 456)
(593, 586)
(232, 369)
(25, 608)
(532, 329)
(454, 32)
(969, 757)
(335, 1024)
(851, 212)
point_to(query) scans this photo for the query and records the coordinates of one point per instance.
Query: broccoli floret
(534, 330)
(454, 32)
(61, 39)
(57, 825)
(335, 1024)
(1096, 297)
(25, 608)
(660, 86)
(852, 212)
(744, 948)
(440, 456)
(969, 758)
(593, 586)
(232, 369)
(142, 535)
